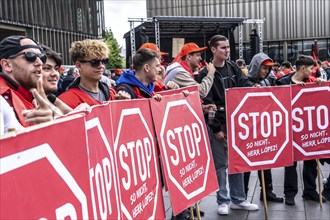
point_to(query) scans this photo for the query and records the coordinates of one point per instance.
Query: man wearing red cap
(185, 65)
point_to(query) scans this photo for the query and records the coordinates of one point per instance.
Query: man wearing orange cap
(153, 47)
(182, 70)
(159, 84)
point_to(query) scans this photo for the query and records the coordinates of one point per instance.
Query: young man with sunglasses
(90, 57)
(21, 59)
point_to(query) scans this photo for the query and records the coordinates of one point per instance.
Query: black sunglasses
(30, 56)
(95, 63)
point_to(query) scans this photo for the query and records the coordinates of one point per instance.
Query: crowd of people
(32, 92)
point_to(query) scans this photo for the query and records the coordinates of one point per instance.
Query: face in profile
(152, 69)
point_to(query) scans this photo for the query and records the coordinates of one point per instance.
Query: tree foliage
(116, 59)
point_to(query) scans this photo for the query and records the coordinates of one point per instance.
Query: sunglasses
(30, 56)
(95, 63)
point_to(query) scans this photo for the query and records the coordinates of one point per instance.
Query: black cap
(12, 45)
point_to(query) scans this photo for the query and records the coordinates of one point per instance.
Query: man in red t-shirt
(90, 57)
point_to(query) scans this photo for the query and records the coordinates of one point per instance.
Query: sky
(117, 12)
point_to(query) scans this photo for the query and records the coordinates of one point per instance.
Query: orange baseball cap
(153, 47)
(268, 63)
(191, 48)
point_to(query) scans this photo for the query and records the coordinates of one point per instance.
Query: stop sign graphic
(137, 160)
(41, 177)
(103, 177)
(310, 121)
(185, 150)
(184, 147)
(41, 161)
(259, 127)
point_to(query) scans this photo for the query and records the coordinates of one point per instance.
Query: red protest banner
(105, 195)
(44, 172)
(259, 128)
(176, 91)
(137, 160)
(185, 150)
(310, 121)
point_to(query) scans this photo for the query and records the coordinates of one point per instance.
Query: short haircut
(88, 48)
(304, 60)
(286, 64)
(52, 55)
(214, 40)
(143, 56)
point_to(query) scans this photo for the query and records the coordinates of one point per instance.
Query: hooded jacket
(128, 78)
(254, 67)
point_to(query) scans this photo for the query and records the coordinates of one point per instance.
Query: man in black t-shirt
(227, 75)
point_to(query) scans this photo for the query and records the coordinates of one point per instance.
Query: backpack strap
(127, 88)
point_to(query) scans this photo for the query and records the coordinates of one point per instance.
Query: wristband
(51, 98)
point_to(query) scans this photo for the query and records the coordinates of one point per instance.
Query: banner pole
(198, 211)
(264, 194)
(191, 213)
(319, 181)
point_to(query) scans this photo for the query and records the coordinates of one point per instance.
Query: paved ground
(302, 209)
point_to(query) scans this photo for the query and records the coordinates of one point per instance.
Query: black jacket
(235, 78)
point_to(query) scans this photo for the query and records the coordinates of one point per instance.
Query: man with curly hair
(90, 57)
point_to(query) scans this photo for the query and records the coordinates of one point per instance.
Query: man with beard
(185, 66)
(21, 59)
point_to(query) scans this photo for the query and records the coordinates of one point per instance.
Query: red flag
(315, 55)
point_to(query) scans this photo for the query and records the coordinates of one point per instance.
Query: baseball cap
(268, 63)
(12, 45)
(191, 48)
(153, 47)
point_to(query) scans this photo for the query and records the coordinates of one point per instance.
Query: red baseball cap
(153, 47)
(191, 48)
(268, 63)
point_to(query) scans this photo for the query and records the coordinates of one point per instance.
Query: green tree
(116, 59)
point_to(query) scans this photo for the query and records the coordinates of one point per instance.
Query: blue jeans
(236, 181)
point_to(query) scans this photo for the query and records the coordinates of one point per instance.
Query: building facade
(55, 23)
(290, 26)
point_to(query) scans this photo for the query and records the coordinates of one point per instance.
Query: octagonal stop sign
(137, 160)
(41, 177)
(310, 121)
(259, 128)
(186, 154)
